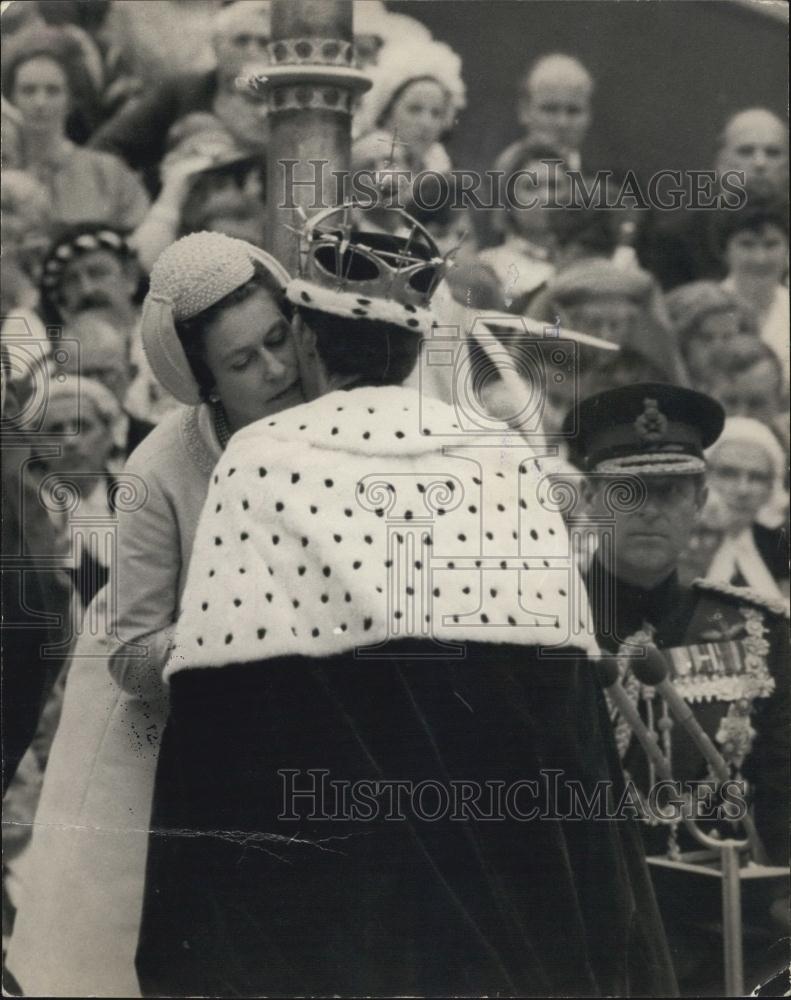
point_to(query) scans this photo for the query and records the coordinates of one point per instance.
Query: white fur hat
(371, 17)
(410, 59)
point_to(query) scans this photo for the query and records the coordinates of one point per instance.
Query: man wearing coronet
(355, 646)
(725, 648)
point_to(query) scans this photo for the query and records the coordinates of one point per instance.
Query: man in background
(726, 648)
(554, 108)
(138, 132)
(685, 245)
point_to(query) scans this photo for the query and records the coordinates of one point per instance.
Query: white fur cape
(344, 523)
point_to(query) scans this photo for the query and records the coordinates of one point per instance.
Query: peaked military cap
(648, 428)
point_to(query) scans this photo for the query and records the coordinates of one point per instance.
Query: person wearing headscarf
(84, 185)
(216, 333)
(747, 468)
(338, 615)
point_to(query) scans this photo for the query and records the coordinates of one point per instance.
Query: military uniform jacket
(729, 658)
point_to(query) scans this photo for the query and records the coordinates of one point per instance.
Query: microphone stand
(652, 671)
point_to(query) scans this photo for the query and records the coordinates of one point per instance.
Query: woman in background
(524, 261)
(402, 120)
(84, 185)
(707, 322)
(747, 468)
(621, 305)
(208, 182)
(755, 249)
(217, 335)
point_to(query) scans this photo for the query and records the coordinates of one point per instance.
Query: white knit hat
(189, 277)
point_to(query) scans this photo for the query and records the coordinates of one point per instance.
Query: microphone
(653, 672)
(608, 674)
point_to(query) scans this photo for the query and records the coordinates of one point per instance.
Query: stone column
(312, 84)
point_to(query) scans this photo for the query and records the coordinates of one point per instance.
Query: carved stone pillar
(312, 84)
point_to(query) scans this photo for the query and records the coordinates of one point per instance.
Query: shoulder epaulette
(746, 594)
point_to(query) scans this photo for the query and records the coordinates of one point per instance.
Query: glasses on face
(734, 474)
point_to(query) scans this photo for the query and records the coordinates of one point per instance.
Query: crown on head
(402, 264)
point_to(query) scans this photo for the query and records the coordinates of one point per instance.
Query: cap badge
(651, 425)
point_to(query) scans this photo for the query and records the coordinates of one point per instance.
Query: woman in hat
(747, 467)
(707, 321)
(417, 93)
(209, 182)
(621, 305)
(335, 619)
(217, 335)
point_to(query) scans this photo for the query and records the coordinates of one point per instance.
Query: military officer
(726, 648)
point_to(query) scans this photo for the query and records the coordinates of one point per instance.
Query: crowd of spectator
(116, 143)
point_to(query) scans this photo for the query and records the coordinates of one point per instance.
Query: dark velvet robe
(242, 900)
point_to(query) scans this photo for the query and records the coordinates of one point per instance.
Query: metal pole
(732, 922)
(312, 87)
